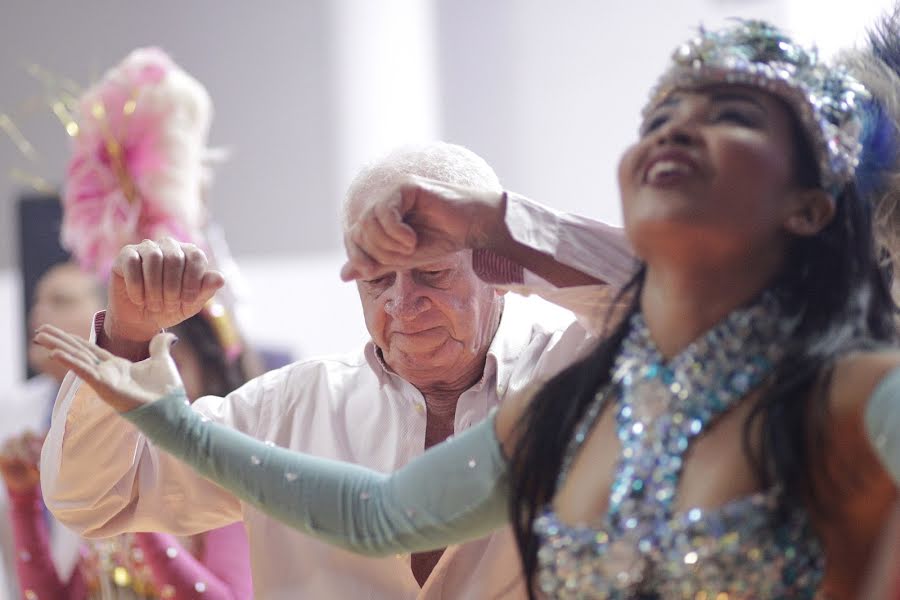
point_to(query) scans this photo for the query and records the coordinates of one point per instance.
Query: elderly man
(444, 351)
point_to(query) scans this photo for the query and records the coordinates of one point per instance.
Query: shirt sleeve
(455, 492)
(102, 477)
(222, 573)
(592, 247)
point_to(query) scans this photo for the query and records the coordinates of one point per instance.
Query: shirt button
(420, 409)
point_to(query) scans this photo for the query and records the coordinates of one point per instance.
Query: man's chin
(419, 357)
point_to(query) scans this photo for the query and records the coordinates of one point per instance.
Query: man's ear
(809, 212)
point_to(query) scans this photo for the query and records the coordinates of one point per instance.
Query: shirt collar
(512, 336)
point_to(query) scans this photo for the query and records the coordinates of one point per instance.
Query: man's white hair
(441, 161)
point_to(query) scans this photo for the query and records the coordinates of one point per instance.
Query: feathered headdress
(877, 66)
(138, 163)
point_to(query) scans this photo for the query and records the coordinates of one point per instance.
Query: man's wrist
(110, 339)
(489, 230)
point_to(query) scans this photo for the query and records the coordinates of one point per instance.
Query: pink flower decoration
(137, 167)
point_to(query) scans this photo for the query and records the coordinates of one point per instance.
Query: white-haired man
(444, 351)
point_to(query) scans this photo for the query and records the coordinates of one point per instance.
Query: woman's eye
(654, 124)
(738, 117)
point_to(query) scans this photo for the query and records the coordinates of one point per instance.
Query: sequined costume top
(642, 547)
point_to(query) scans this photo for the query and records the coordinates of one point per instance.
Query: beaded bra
(642, 548)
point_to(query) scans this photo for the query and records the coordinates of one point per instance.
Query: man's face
(434, 323)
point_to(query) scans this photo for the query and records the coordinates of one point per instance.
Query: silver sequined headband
(825, 98)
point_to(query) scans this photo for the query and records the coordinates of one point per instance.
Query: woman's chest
(712, 470)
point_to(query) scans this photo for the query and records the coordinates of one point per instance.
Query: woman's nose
(678, 130)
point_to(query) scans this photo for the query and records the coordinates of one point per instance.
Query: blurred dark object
(39, 218)
(274, 358)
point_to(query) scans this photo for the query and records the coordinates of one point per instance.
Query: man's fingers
(349, 272)
(196, 266)
(211, 283)
(362, 264)
(128, 266)
(172, 271)
(152, 270)
(399, 237)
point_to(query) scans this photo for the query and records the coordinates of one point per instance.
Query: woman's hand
(122, 384)
(19, 459)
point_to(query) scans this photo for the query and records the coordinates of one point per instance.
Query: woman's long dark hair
(832, 282)
(221, 374)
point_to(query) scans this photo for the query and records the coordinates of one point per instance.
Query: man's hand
(418, 221)
(155, 285)
(122, 384)
(19, 459)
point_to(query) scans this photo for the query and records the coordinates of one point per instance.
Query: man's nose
(407, 299)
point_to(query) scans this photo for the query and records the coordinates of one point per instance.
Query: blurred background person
(64, 296)
(140, 565)
(140, 166)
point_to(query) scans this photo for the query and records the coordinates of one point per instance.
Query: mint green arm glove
(882, 420)
(457, 491)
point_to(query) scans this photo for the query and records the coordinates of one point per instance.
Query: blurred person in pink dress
(140, 166)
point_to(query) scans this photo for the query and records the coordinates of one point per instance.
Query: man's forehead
(447, 262)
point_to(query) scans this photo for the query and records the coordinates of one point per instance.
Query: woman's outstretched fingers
(53, 338)
(86, 370)
(98, 352)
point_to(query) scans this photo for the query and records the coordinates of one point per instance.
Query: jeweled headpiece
(824, 97)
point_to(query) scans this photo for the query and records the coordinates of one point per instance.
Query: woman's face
(710, 174)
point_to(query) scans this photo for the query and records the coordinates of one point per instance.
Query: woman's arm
(856, 488)
(455, 492)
